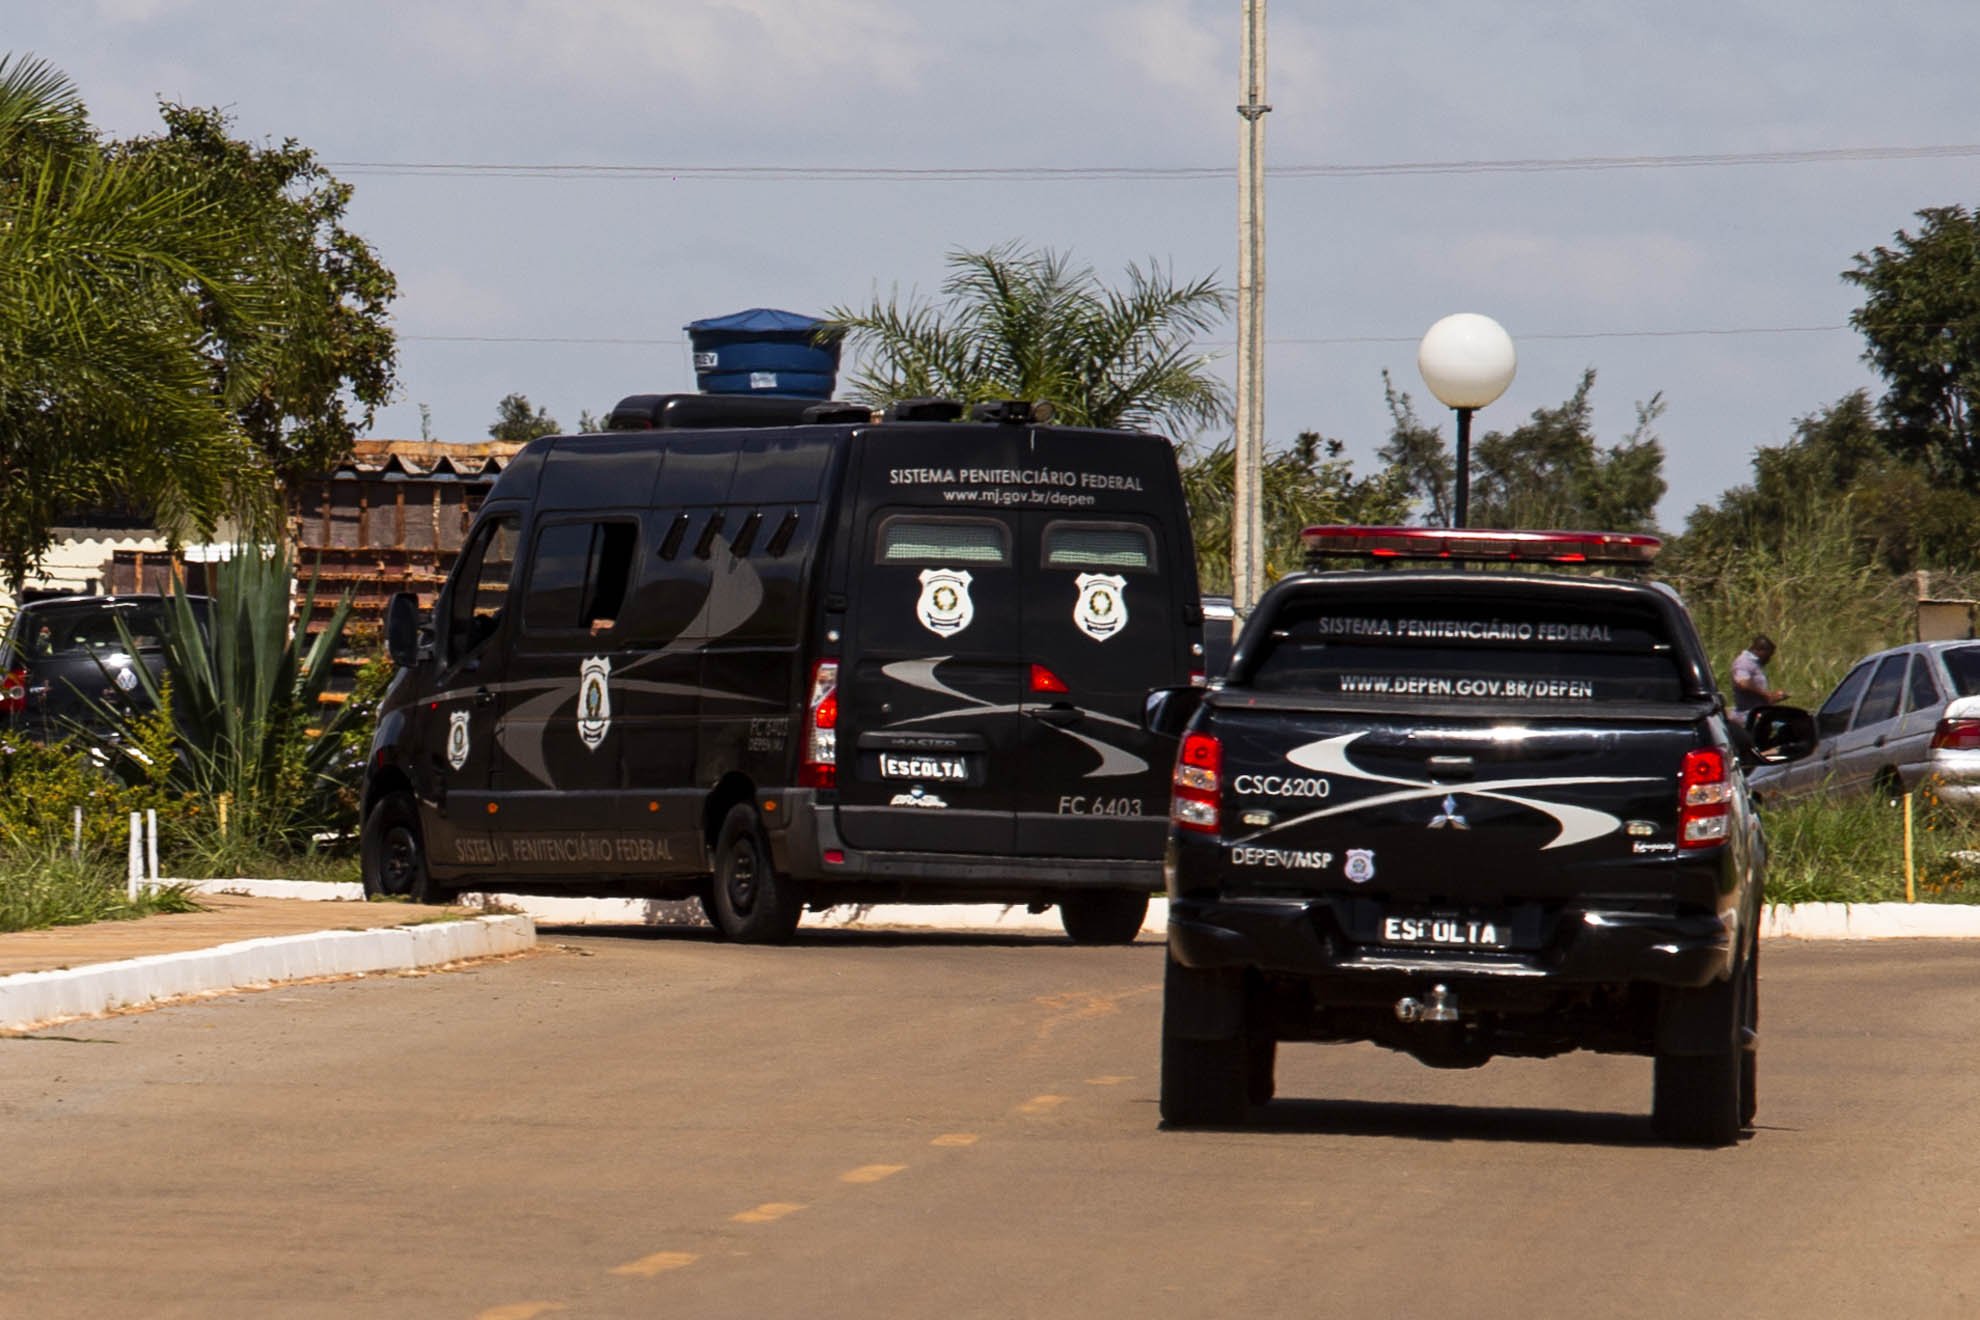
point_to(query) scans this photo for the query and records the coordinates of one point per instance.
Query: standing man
(1750, 690)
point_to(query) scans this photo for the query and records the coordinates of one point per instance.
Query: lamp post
(1467, 360)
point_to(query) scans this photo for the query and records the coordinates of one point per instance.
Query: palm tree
(1029, 324)
(104, 264)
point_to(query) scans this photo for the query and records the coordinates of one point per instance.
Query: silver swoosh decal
(921, 674)
(1577, 824)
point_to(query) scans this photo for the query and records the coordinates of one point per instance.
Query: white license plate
(1446, 932)
(943, 769)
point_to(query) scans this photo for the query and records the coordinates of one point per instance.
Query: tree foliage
(1921, 322)
(1018, 323)
(1548, 472)
(110, 267)
(518, 421)
(310, 382)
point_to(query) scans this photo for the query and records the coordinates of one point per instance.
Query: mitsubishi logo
(1449, 817)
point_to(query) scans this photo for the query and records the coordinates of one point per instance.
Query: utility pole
(1247, 532)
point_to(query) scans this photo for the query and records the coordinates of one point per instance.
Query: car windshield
(1963, 663)
(86, 628)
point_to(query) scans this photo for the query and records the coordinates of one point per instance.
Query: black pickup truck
(1473, 805)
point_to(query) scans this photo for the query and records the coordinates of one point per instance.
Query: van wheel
(1209, 1079)
(751, 903)
(1103, 916)
(1705, 1099)
(392, 854)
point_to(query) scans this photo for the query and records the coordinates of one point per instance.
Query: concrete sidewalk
(262, 932)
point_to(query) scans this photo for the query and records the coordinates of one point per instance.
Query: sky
(1754, 147)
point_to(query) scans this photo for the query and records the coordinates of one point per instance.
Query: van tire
(1103, 916)
(749, 902)
(392, 854)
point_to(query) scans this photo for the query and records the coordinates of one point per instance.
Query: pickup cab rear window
(1544, 653)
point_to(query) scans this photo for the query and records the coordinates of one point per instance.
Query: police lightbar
(1479, 545)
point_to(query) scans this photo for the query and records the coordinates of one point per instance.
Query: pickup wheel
(748, 901)
(1103, 916)
(392, 854)
(1208, 1080)
(1706, 1099)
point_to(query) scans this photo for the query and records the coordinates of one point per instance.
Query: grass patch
(43, 888)
(237, 859)
(1822, 850)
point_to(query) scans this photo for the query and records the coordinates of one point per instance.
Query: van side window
(671, 544)
(481, 586)
(920, 539)
(746, 537)
(780, 540)
(579, 576)
(1097, 545)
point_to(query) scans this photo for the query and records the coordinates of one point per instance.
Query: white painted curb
(1805, 921)
(28, 999)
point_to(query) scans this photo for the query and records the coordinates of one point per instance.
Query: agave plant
(246, 695)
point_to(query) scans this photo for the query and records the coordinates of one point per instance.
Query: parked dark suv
(61, 654)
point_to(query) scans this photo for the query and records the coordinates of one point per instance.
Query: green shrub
(1825, 850)
(47, 886)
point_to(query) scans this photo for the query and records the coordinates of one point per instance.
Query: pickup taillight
(1704, 799)
(13, 692)
(1199, 771)
(1957, 735)
(818, 766)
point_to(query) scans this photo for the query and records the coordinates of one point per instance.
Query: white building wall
(79, 562)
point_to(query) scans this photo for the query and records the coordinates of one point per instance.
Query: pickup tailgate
(1450, 808)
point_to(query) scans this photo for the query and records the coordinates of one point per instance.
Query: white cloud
(758, 52)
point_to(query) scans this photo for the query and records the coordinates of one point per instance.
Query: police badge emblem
(457, 739)
(1361, 865)
(945, 608)
(594, 701)
(1101, 610)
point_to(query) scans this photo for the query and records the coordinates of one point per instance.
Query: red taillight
(1044, 680)
(1197, 678)
(818, 767)
(1704, 799)
(13, 692)
(1957, 735)
(1199, 768)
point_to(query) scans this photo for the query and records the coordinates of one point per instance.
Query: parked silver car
(1880, 730)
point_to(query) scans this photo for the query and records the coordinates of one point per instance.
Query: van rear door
(929, 698)
(1102, 624)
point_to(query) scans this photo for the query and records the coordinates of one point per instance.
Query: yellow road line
(1107, 1081)
(658, 1263)
(871, 1173)
(1041, 1104)
(521, 1311)
(768, 1212)
(955, 1139)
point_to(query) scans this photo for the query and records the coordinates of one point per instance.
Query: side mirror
(1169, 710)
(1781, 733)
(402, 629)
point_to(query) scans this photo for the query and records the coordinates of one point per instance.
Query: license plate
(943, 769)
(1446, 932)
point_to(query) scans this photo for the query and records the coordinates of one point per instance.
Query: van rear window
(923, 540)
(1098, 545)
(1542, 653)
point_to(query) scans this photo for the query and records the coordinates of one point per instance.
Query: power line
(1329, 340)
(1131, 173)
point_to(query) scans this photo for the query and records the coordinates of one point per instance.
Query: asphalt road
(656, 1124)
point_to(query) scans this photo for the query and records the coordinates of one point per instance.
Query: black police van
(779, 654)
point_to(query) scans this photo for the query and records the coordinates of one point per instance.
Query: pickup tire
(392, 854)
(1706, 1099)
(748, 901)
(1209, 1062)
(1103, 916)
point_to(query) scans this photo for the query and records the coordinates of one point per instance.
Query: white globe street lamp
(1467, 360)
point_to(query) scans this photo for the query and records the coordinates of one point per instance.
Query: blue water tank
(763, 351)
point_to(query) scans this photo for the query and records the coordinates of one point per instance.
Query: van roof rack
(1478, 545)
(668, 412)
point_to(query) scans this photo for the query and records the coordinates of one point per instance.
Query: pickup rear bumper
(1581, 945)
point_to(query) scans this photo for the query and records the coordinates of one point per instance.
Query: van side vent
(923, 410)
